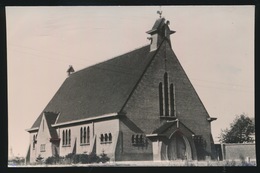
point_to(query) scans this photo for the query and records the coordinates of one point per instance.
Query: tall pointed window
(88, 135)
(136, 139)
(106, 138)
(81, 135)
(110, 137)
(172, 92)
(69, 137)
(133, 139)
(63, 137)
(66, 138)
(84, 135)
(167, 98)
(161, 99)
(141, 139)
(166, 102)
(34, 141)
(102, 138)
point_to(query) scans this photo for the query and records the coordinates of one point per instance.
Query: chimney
(70, 70)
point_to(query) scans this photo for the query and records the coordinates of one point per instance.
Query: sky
(214, 44)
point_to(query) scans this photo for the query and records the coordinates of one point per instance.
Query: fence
(236, 151)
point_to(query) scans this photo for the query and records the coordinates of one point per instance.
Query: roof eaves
(164, 127)
(86, 119)
(187, 127)
(57, 119)
(151, 31)
(32, 129)
(154, 135)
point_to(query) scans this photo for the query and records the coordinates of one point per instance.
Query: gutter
(86, 119)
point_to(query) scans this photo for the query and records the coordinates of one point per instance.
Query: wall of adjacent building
(238, 151)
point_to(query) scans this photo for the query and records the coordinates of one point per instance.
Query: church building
(137, 106)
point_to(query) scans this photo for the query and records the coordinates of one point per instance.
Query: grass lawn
(180, 163)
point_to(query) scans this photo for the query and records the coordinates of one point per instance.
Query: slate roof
(157, 25)
(99, 89)
(165, 126)
(50, 119)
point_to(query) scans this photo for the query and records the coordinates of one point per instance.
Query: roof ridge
(116, 56)
(144, 71)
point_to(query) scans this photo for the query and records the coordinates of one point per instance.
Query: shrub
(93, 158)
(53, 160)
(77, 158)
(39, 159)
(16, 161)
(71, 158)
(83, 158)
(104, 158)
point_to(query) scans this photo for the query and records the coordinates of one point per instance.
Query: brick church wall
(143, 106)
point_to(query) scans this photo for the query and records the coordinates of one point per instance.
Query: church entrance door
(178, 148)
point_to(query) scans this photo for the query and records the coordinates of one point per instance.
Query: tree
(240, 130)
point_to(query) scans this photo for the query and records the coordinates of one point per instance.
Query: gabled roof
(100, 89)
(157, 25)
(167, 125)
(50, 119)
(164, 127)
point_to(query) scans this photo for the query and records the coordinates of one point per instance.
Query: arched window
(172, 100)
(141, 139)
(106, 138)
(166, 102)
(133, 139)
(161, 99)
(136, 139)
(102, 138)
(88, 135)
(33, 142)
(63, 137)
(66, 137)
(81, 135)
(84, 135)
(110, 137)
(69, 137)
